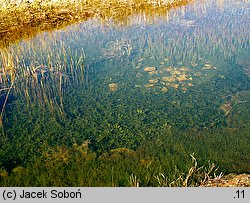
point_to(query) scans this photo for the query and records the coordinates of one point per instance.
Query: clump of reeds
(39, 75)
(196, 176)
(7, 79)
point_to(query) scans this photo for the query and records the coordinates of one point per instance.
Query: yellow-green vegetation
(43, 78)
(20, 19)
(143, 97)
(79, 166)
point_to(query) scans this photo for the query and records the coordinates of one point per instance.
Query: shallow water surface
(119, 84)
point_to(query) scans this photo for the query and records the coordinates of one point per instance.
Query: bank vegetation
(23, 19)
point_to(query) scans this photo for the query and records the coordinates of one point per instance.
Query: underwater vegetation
(106, 104)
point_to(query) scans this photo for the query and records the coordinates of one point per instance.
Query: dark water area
(181, 80)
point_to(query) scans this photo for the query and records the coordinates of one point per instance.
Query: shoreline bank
(24, 19)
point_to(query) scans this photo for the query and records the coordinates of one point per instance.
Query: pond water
(120, 83)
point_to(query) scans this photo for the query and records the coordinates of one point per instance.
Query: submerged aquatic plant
(118, 49)
(39, 78)
(7, 80)
(49, 74)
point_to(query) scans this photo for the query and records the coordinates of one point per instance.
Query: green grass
(79, 166)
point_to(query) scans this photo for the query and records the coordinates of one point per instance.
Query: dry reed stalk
(134, 181)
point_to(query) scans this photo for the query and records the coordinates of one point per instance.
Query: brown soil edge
(28, 21)
(230, 180)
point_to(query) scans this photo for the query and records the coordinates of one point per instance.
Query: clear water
(118, 84)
